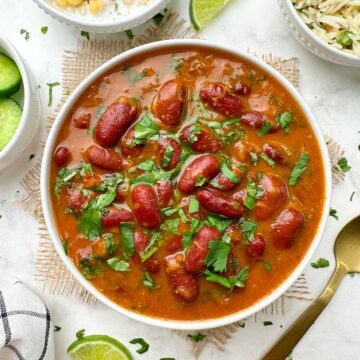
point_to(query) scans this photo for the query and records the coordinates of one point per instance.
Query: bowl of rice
(328, 28)
(102, 16)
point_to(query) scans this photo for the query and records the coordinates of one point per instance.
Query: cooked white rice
(329, 19)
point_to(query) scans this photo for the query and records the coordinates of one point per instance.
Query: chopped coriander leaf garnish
(248, 229)
(51, 86)
(333, 213)
(158, 19)
(344, 39)
(151, 249)
(352, 196)
(229, 174)
(343, 164)
(299, 168)
(172, 225)
(129, 34)
(175, 63)
(44, 29)
(65, 247)
(217, 255)
(85, 34)
(25, 33)
(267, 266)
(193, 205)
(118, 264)
(284, 120)
(144, 345)
(145, 129)
(90, 222)
(147, 165)
(220, 223)
(253, 192)
(169, 211)
(237, 280)
(320, 263)
(91, 267)
(127, 239)
(80, 334)
(268, 323)
(265, 128)
(148, 281)
(183, 216)
(268, 160)
(168, 153)
(100, 111)
(109, 243)
(194, 131)
(200, 181)
(196, 337)
(140, 75)
(254, 158)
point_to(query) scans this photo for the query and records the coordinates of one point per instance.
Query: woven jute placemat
(89, 55)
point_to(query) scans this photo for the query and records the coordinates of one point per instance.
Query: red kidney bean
(241, 89)
(219, 204)
(225, 184)
(239, 196)
(254, 119)
(232, 266)
(217, 97)
(272, 152)
(196, 253)
(205, 166)
(256, 248)
(115, 217)
(61, 156)
(82, 121)
(182, 284)
(127, 146)
(141, 241)
(206, 140)
(145, 206)
(286, 228)
(275, 196)
(105, 159)
(116, 120)
(174, 243)
(175, 158)
(169, 103)
(75, 199)
(164, 191)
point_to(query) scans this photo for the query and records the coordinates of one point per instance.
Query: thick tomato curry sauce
(186, 184)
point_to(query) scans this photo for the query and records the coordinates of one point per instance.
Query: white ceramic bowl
(48, 211)
(311, 41)
(99, 24)
(28, 100)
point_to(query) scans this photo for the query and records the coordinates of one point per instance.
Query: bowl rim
(48, 210)
(316, 38)
(10, 50)
(97, 26)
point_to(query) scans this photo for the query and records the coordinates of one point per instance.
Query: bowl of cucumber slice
(19, 117)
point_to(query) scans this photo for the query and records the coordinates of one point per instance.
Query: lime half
(98, 347)
(203, 11)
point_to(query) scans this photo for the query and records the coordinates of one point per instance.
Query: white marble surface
(333, 92)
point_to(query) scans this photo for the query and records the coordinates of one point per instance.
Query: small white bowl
(97, 23)
(48, 209)
(311, 41)
(28, 100)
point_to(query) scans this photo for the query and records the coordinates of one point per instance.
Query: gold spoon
(347, 254)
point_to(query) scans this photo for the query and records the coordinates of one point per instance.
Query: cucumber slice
(10, 115)
(10, 77)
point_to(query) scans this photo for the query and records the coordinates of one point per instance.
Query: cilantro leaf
(151, 249)
(284, 120)
(194, 131)
(320, 263)
(90, 222)
(229, 282)
(194, 205)
(109, 243)
(229, 174)
(168, 154)
(254, 158)
(148, 281)
(144, 345)
(127, 239)
(196, 337)
(299, 168)
(333, 213)
(248, 229)
(268, 160)
(253, 193)
(147, 165)
(118, 264)
(144, 130)
(343, 164)
(220, 223)
(265, 128)
(91, 267)
(217, 255)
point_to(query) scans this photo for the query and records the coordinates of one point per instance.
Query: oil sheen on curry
(186, 184)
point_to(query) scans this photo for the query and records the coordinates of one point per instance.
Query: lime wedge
(98, 347)
(203, 11)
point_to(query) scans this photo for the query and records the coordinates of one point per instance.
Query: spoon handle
(293, 335)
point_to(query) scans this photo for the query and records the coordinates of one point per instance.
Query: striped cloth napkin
(26, 329)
